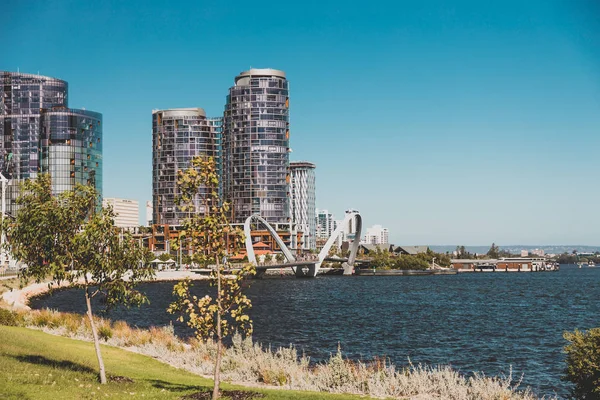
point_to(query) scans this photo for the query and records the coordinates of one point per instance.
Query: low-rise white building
(376, 235)
(127, 211)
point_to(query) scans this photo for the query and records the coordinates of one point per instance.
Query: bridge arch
(250, 249)
(355, 243)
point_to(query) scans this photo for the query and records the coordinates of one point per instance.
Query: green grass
(36, 365)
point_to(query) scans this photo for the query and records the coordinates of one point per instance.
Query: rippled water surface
(474, 322)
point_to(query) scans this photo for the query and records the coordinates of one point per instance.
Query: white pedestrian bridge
(303, 268)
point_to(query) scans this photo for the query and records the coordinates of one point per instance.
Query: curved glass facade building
(71, 148)
(303, 202)
(22, 99)
(256, 146)
(177, 136)
(39, 133)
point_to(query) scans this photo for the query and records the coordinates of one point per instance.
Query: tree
(408, 262)
(164, 257)
(207, 232)
(333, 251)
(70, 238)
(186, 259)
(583, 363)
(280, 258)
(148, 255)
(462, 253)
(443, 260)
(382, 259)
(494, 251)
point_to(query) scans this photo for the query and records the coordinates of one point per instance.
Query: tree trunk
(217, 375)
(95, 334)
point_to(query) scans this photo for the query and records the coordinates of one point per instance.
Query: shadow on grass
(176, 387)
(62, 364)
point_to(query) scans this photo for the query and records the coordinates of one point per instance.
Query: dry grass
(249, 363)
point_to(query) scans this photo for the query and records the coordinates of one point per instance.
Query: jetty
(516, 264)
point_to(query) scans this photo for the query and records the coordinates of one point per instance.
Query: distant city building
(40, 134)
(148, 213)
(376, 235)
(538, 252)
(178, 135)
(256, 135)
(127, 211)
(325, 224)
(303, 202)
(524, 253)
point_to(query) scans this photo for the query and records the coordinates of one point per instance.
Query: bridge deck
(285, 265)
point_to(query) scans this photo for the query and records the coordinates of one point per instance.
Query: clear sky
(449, 122)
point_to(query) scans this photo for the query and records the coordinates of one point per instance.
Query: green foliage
(62, 236)
(463, 254)
(408, 262)
(382, 259)
(583, 363)
(112, 263)
(202, 314)
(208, 233)
(10, 318)
(280, 257)
(494, 251)
(148, 256)
(165, 257)
(443, 260)
(105, 332)
(207, 229)
(66, 238)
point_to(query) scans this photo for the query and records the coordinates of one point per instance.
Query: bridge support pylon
(348, 269)
(306, 271)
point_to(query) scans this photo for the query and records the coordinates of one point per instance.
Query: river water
(484, 322)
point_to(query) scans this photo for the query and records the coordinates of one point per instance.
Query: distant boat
(591, 264)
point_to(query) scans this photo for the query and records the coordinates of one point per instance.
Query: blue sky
(465, 122)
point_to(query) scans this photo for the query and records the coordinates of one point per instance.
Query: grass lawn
(36, 365)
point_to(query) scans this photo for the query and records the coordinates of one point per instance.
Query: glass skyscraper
(256, 134)
(177, 136)
(38, 132)
(71, 148)
(303, 204)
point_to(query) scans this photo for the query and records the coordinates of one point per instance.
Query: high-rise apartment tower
(178, 135)
(39, 134)
(256, 137)
(71, 148)
(303, 202)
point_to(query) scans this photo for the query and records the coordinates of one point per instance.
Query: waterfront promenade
(18, 299)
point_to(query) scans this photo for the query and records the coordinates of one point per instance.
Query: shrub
(275, 378)
(583, 363)
(72, 323)
(10, 318)
(105, 332)
(42, 318)
(408, 262)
